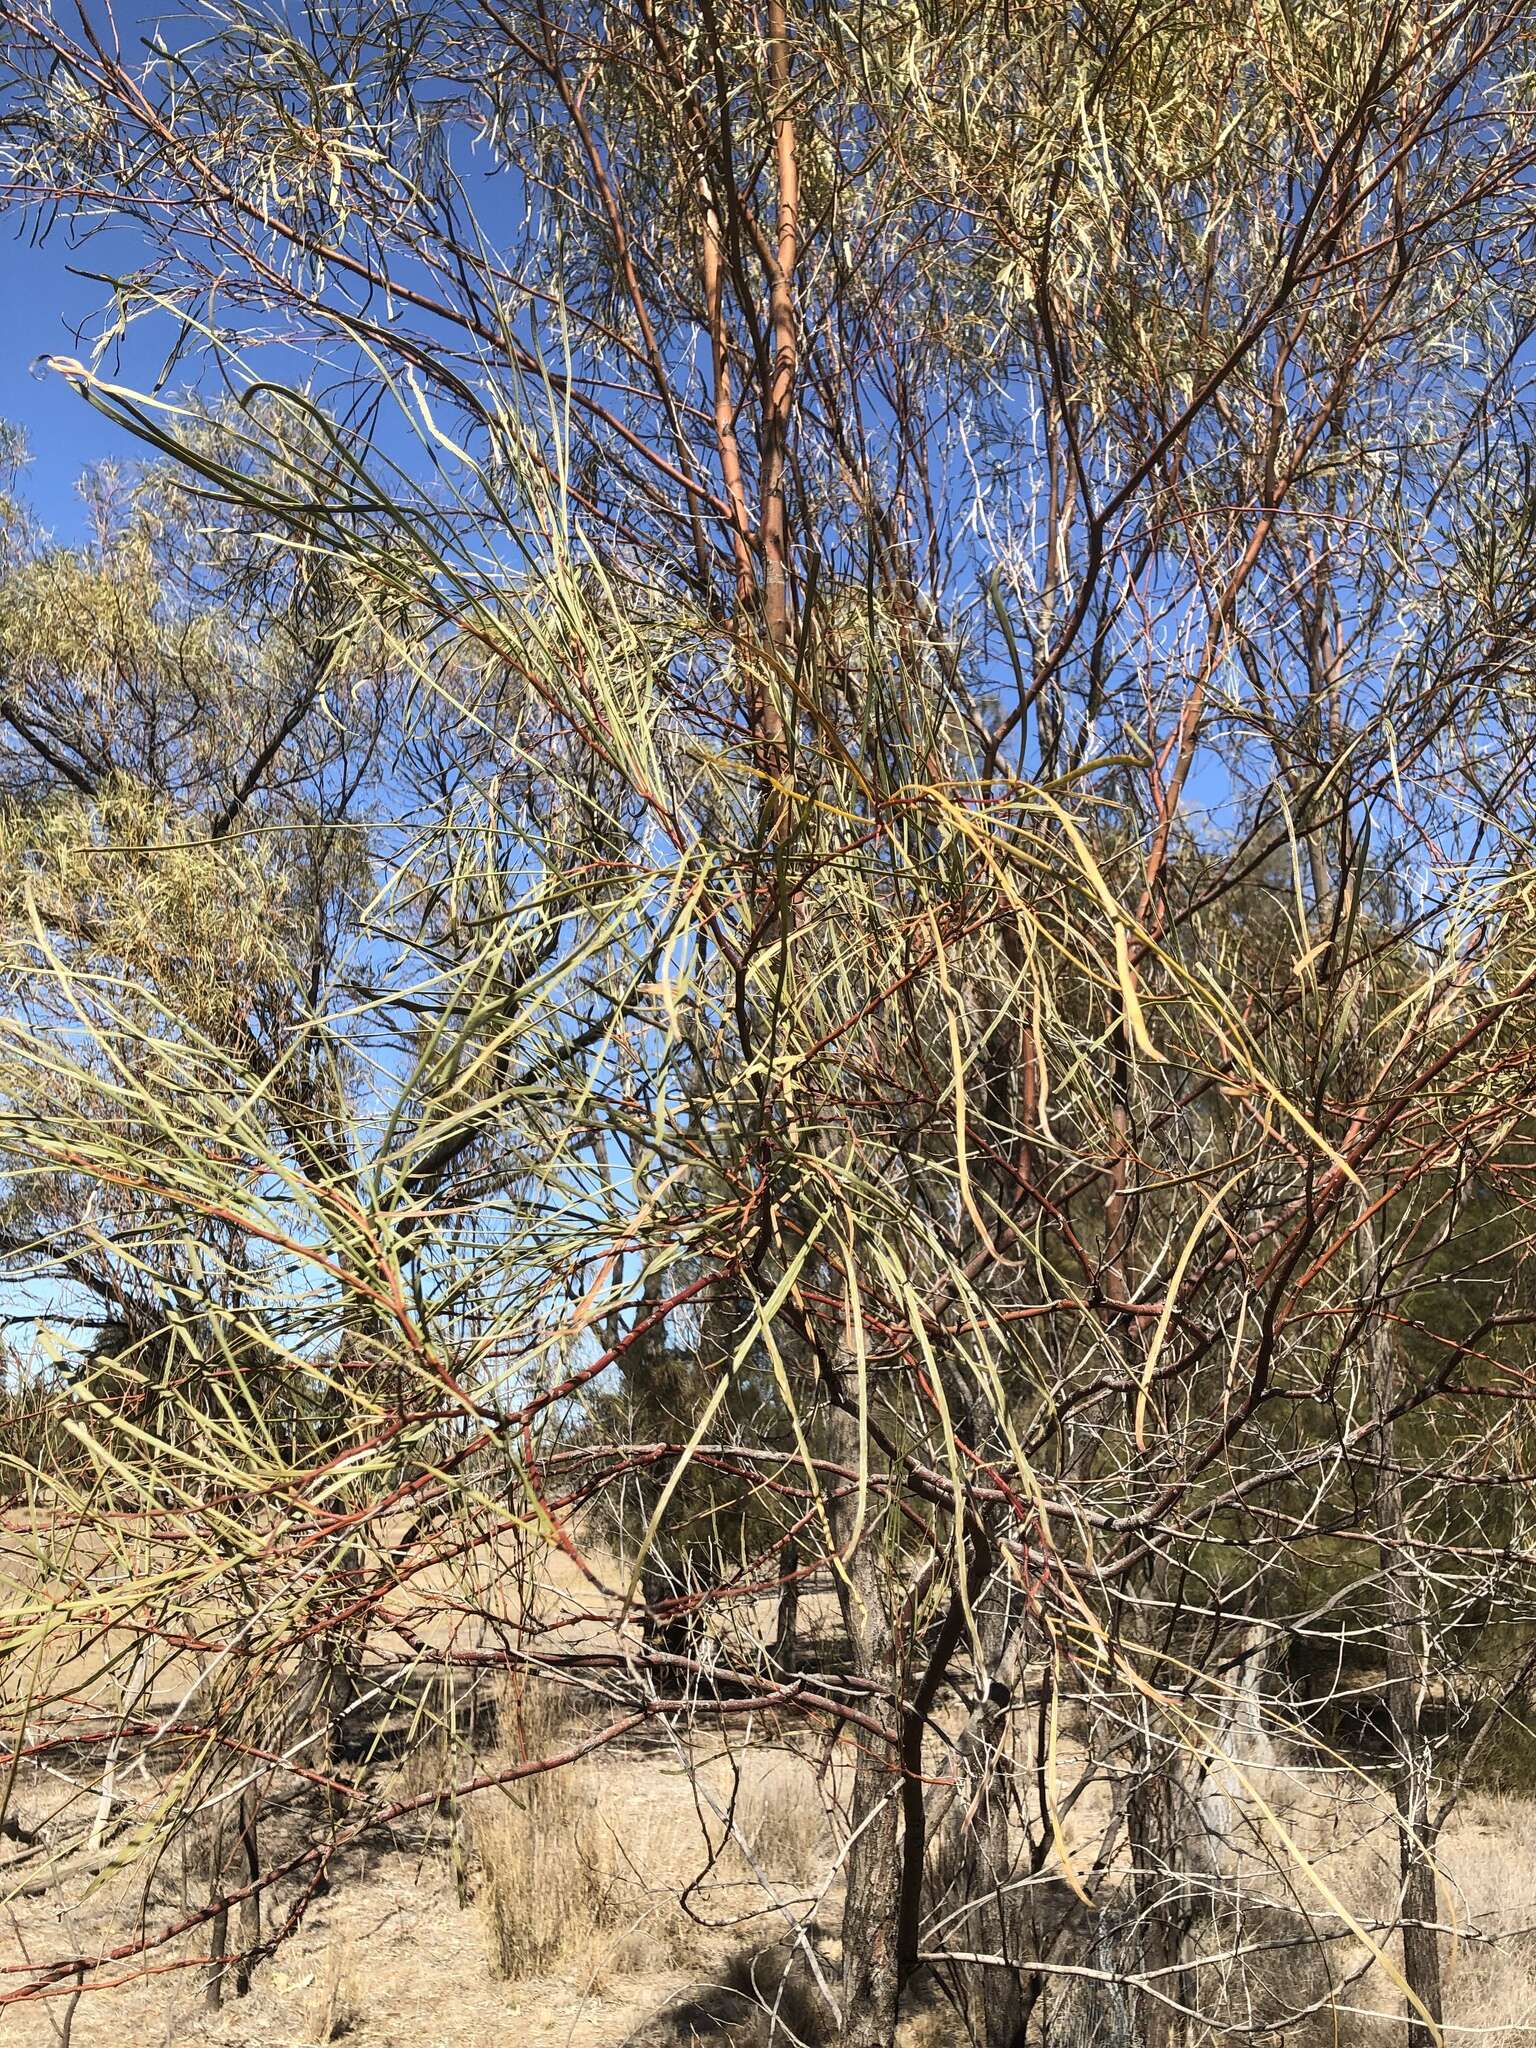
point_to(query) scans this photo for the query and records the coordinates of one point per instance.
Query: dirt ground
(387, 1960)
(387, 1956)
(552, 1916)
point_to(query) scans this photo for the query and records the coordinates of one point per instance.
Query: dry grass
(559, 1885)
(546, 1880)
(1489, 1864)
(934, 2028)
(336, 2008)
(1346, 1829)
(566, 1872)
(553, 1882)
(780, 1816)
(578, 1876)
(429, 1768)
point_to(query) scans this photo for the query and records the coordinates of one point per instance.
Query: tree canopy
(789, 827)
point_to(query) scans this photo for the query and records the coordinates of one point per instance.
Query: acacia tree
(962, 814)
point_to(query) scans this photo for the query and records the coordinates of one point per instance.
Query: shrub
(546, 1872)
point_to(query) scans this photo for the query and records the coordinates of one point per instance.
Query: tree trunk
(872, 1902)
(213, 1983)
(979, 1857)
(784, 1652)
(250, 1871)
(1410, 1792)
(1156, 1843)
(1405, 1664)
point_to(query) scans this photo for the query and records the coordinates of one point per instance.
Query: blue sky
(43, 303)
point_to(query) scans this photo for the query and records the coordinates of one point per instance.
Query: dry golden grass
(1489, 1864)
(336, 2006)
(576, 1936)
(1346, 1830)
(782, 1822)
(547, 1883)
(567, 1872)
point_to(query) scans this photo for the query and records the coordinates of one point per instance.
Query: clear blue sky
(41, 304)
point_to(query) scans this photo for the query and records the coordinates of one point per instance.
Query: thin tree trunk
(65, 2026)
(326, 1692)
(107, 1800)
(1157, 1862)
(781, 387)
(213, 1983)
(1405, 1663)
(1156, 1846)
(979, 1857)
(250, 1907)
(872, 1902)
(786, 1647)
